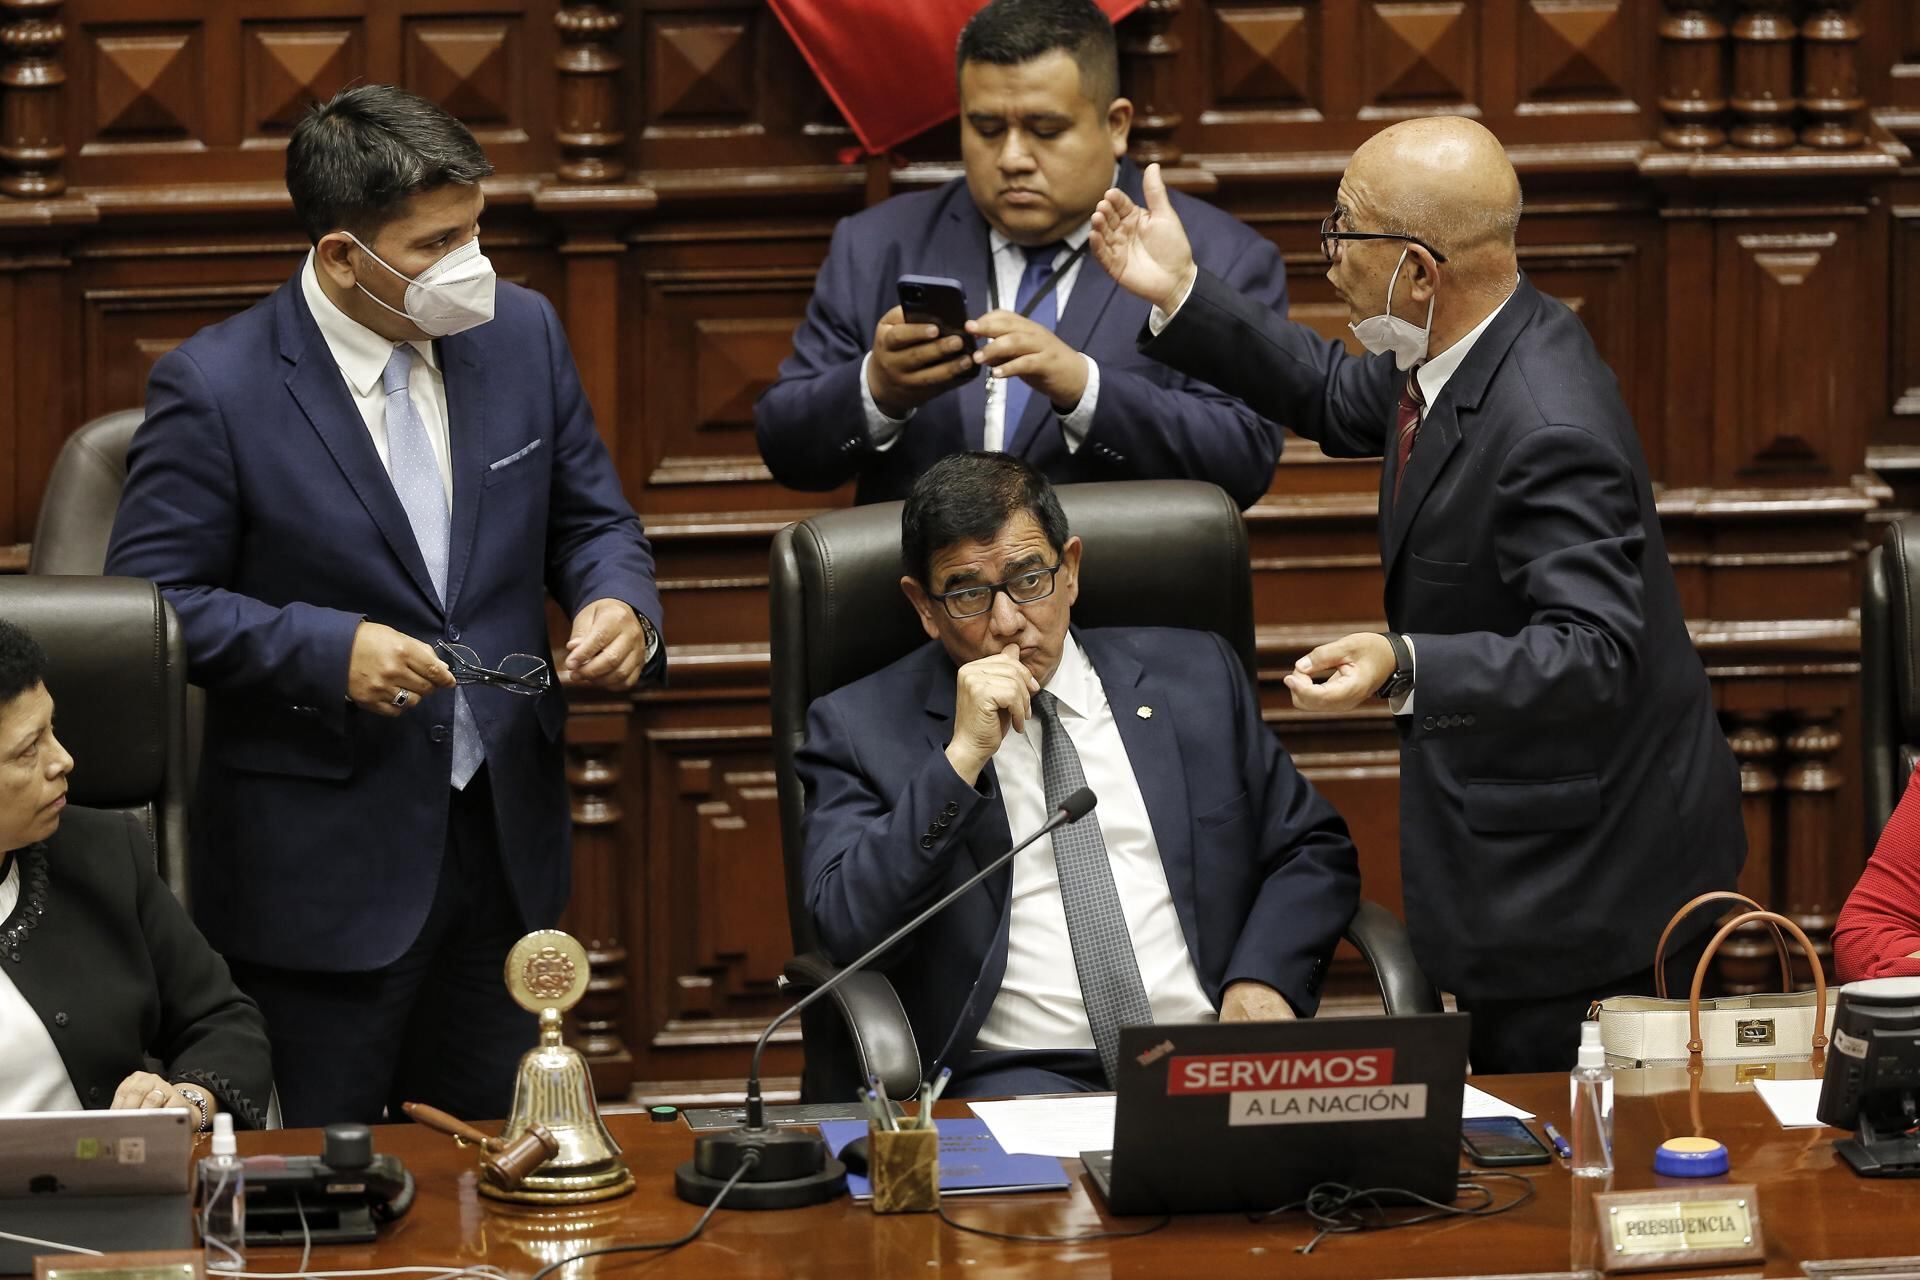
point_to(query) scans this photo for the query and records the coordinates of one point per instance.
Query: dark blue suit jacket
(1263, 875)
(1150, 423)
(257, 502)
(1564, 785)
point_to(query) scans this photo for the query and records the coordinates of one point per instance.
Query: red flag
(888, 64)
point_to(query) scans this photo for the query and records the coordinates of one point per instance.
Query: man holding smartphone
(1047, 367)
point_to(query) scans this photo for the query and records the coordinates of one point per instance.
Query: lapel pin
(1145, 713)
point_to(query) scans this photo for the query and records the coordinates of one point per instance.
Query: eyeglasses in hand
(520, 673)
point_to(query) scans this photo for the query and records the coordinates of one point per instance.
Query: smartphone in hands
(942, 302)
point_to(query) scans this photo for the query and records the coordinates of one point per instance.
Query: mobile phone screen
(1502, 1139)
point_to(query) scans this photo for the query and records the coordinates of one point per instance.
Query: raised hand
(1145, 248)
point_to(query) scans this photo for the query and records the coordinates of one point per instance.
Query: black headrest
(1902, 564)
(82, 494)
(116, 670)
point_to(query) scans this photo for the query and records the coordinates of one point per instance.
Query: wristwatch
(1401, 681)
(649, 638)
(199, 1101)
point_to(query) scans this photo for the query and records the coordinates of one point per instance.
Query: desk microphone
(790, 1168)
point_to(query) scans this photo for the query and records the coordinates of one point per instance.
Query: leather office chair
(76, 511)
(1890, 678)
(117, 670)
(1165, 553)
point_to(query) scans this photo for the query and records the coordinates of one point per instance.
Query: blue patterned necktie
(1047, 315)
(416, 479)
(1096, 925)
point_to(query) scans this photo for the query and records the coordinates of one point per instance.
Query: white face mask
(449, 297)
(1388, 332)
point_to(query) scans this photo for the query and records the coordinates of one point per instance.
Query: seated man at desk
(1211, 881)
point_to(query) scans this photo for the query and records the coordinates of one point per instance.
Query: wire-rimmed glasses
(1331, 236)
(520, 673)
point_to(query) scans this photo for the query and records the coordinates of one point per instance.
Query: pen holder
(904, 1167)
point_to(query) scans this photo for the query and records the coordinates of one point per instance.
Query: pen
(876, 1115)
(933, 1095)
(883, 1103)
(1560, 1146)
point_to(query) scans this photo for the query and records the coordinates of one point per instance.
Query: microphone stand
(791, 1167)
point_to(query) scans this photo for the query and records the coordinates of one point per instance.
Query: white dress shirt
(1039, 1005)
(32, 1075)
(362, 356)
(1009, 264)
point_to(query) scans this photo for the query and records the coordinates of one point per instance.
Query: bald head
(1445, 179)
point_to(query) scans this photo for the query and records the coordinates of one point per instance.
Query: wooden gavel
(506, 1163)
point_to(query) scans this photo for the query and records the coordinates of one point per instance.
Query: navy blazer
(1261, 869)
(1564, 785)
(256, 500)
(1149, 422)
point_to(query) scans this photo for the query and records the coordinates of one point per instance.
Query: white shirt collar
(1074, 238)
(1435, 372)
(1072, 680)
(361, 353)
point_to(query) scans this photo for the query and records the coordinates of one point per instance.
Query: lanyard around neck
(993, 279)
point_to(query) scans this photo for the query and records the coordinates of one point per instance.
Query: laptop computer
(107, 1180)
(1250, 1116)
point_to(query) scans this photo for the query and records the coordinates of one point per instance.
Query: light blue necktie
(416, 479)
(1046, 315)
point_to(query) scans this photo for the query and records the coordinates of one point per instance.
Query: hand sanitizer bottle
(223, 1201)
(1591, 1107)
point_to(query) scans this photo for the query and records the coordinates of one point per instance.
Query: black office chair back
(117, 670)
(82, 494)
(1890, 671)
(1158, 553)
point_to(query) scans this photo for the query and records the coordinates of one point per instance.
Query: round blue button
(1690, 1158)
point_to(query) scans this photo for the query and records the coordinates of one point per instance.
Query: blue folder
(971, 1161)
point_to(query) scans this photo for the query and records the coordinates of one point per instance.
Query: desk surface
(1813, 1207)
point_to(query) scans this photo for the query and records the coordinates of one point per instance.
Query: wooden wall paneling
(1693, 96)
(45, 387)
(1903, 382)
(1787, 373)
(32, 140)
(715, 902)
(1830, 76)
(603, 829)
(1763, 82)
(588, 130)
(1151, 54)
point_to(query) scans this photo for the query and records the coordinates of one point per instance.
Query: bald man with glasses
(1564, 784)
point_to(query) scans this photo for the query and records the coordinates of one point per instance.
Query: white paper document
(1478, 1104)
(1794, 1102)
(1057, 1126)
(1066, 1125)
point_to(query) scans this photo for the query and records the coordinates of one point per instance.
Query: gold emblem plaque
(1679, 1227)
(547, 969)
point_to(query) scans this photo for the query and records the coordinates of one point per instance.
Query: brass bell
(547, 973)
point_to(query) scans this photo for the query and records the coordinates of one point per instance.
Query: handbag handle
(1718, 895)
(1694, 1044)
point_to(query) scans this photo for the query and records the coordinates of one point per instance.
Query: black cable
(1337, 1209)
(747, 1161)
(1073, 1239)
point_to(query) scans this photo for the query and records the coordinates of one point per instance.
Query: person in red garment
(1878, 932)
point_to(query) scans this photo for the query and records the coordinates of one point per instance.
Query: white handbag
(1721, 1043)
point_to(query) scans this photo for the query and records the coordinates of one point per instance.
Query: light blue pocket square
(514, 457)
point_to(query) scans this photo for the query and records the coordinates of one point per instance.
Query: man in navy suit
(1564, 785)
(357, 495)
(868, 397)
(1212, 880)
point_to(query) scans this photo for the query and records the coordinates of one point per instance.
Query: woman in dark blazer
(109, 997)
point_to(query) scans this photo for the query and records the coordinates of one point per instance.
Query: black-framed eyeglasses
(1331, 236)
(1021, 588)
(520, 673)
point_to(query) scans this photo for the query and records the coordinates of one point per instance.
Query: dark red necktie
(1406, 427)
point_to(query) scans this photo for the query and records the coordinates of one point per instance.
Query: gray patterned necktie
(1102, 948)
(416, 479)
